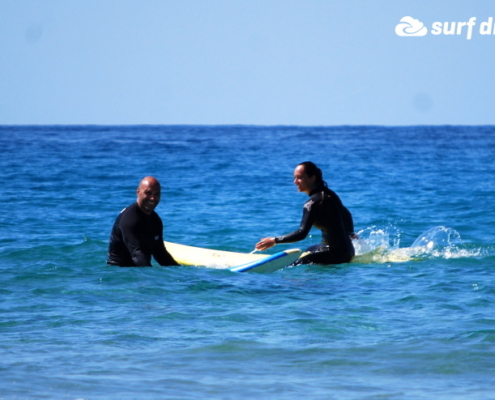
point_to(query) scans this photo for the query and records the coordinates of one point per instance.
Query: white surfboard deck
(238, 262)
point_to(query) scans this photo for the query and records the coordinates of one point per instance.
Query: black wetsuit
(135, 237)
(324, 210)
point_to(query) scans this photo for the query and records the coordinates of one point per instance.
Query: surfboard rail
(270, 263)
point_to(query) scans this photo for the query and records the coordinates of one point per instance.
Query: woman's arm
(299, 234)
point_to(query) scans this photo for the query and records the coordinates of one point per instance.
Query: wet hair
(311, 169)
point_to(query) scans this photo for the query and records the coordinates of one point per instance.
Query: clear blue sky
(264, 62)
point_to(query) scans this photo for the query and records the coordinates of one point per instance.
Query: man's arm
(139, 257)
(160, 253)
(162, 256)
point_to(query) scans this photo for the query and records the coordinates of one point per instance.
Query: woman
(325, 211)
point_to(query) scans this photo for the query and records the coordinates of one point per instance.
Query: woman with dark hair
(325, 211)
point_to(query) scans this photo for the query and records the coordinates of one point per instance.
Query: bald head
(149, 180)
(148, 194)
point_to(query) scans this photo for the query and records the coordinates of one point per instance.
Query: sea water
(422, 327)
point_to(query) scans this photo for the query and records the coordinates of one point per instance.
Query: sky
(255, 62)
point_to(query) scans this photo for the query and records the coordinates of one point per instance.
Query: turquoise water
(73, 328)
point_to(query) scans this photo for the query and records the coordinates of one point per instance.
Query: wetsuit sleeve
(162, 256)
(307, 221)
(348, 221)
(133, 244)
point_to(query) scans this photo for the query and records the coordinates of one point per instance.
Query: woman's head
(306, 176)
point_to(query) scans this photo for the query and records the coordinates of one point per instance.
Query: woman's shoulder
(315, 198)
(326, 196)
(318, 195)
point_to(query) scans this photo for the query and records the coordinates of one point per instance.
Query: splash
(438, 236)
(383, 246)
(373, 238)
(443, 242)
(378, 246)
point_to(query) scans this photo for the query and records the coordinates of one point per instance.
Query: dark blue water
(73, 328)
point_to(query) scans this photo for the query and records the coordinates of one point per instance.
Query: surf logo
(408, 26)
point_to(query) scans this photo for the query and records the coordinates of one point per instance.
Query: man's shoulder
(129, 213)
(128, 210)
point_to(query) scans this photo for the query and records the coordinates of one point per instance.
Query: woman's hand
(265, 243)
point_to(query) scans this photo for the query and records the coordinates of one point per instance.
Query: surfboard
(270, 263)
(198, 256)
(237, 262)
(247, 262)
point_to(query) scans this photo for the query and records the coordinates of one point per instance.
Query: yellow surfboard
(237, 262)
(190, 255)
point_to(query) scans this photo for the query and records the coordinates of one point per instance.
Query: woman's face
(303, 182)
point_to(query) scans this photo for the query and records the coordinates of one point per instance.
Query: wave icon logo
(409, 26)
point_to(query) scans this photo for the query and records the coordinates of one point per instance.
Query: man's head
(148, 194)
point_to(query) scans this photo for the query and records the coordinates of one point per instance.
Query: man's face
(148, 195)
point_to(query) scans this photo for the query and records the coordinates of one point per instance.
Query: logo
(409, 26)
(308, 205)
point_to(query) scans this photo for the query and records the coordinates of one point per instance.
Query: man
(137, 233)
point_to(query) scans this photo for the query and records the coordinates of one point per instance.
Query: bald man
(137, 233)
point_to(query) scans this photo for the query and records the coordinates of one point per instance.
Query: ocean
(72, 327)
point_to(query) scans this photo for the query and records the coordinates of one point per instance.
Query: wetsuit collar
(316, 189)
(141, 212)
